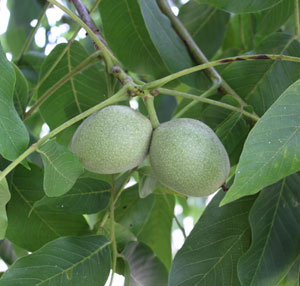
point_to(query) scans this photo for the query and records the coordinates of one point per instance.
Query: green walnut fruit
(112, 140)
(188, 157)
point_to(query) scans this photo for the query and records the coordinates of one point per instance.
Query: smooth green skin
(188, 157)
(112, 140)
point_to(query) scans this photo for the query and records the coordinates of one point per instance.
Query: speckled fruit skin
(188, 157)
(112, 140)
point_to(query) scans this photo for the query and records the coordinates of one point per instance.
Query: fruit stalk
(149, 101)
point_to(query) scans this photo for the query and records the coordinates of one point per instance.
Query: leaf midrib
(272, 158)
(269, 70)
(54, 167)
(34, 210)
(269, 232)
(76, 264)
(74, 92)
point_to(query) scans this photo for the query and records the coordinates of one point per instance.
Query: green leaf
(62, 168)
(30, 65)
(147, 181)
(292, 278)
(147, 185)
(78, 94)
(273, 18)
(145, 268)
(206, 24)
(275, 246)
(20, 92)
(260, 83)
(210, 254)
(241, 6)
(156, 232)
(170, 47)
(132, 211)
(233, 133)
(67, 261)
(4, 199)
(87, 196)
(127, 36)
(43, 225)
(14, 137)
(271, 151)
(239, 35)
(143, 40)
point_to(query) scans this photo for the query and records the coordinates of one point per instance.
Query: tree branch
(162, 81)
(196, 52)
(106, 53)
(85, 17)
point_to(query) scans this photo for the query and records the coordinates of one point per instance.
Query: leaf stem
(161, 82)
(108, 57)
(180, 226)
(242, 33)
(112, 230)
(149, 101)
(91, 60)
(194, 49)
(119, 96)
(297, 20)
(204, 95)
(208, 101)
(32, 33)
(120, 191)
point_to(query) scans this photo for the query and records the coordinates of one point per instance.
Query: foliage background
(49, 202)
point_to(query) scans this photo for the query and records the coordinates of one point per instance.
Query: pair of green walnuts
(185, 154)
